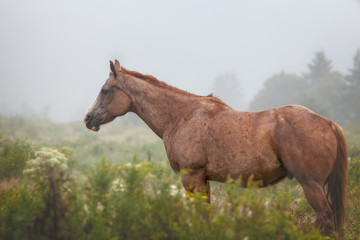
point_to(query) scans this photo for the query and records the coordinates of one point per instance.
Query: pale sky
(56, 53)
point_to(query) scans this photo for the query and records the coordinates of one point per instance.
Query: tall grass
(126, 196)
(139, 200)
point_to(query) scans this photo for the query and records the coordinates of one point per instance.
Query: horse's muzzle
(90, 123)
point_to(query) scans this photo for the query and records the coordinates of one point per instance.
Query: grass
(108, 192)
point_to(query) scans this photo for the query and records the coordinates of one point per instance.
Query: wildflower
(46, 160)
(204, 197)
(86, 208)
(99, 206)
(117, 185)
(175, 190)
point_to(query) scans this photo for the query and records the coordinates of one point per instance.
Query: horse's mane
(152, 80)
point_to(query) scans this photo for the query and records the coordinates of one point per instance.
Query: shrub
(144, 206)
(17, 209)
(48, 170)
(13, 155)
(138, 201)
(101, 177)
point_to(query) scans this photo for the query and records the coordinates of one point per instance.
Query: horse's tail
(337, 180)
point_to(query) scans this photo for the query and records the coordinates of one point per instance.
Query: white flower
(117, 185)
(99, 206)
(47, 159)
(174, 190)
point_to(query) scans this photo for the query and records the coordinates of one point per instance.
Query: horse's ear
(117, 64)
(112, 67)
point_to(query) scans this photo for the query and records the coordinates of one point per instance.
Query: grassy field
(118, 141)
(117, 184)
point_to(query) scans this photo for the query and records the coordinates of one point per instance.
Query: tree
(227, 87)
(326, 96)
(280, 89)
(319, 67)
(352, 97)
(353, 78)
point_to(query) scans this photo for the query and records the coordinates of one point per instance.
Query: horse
(215, 141)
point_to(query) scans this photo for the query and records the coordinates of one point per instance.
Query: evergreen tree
(353, 78)
(352, 96)
(320, 66)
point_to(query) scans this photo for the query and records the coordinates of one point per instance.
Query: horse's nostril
(87, 118)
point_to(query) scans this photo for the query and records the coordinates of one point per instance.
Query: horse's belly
(266, 170)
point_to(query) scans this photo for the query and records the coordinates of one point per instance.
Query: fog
(54, 55)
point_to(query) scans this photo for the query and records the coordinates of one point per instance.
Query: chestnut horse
(215, 141)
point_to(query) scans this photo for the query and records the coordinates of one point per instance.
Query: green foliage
(49, 164)
(352, 97)
(326, 95)
(13, 155)
(149, 205)
(354, 173)
(49, 172)
(314, 103)
(321, 89)
(16, 212)
(146, 208)
(118, 141)
(117, 152)
(353, 200)
(354, 77)
(280, 89)
(101, 177)
(143, 199)
(352, 133)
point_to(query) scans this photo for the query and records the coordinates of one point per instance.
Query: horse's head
(111, 102)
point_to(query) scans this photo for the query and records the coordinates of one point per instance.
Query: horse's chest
(185, 154)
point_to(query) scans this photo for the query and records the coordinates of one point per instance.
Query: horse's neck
(159, 107)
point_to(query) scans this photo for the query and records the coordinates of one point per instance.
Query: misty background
(54, 55)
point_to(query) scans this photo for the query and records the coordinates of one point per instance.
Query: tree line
(322, 89)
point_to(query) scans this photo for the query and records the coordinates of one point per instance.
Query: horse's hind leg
(315, 195)
(208, 191)
(194, 181)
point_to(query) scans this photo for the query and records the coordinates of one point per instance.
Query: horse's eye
(105, 91)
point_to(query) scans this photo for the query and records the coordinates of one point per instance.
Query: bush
(49, 172)
(140, 203)
(17, 210)
(13, 155)
(142, 200)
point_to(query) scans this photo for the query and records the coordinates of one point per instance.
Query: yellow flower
(204, 197)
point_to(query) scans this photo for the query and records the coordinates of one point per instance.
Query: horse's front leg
(194, 181)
